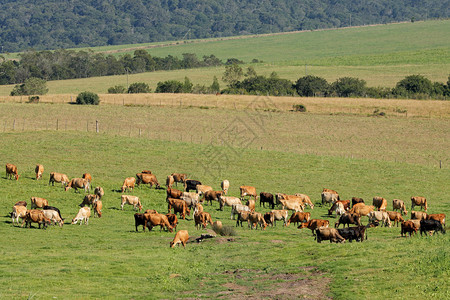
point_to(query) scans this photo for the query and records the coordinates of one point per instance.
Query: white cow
(83, 215)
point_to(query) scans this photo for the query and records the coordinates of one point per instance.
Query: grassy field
(108, 259)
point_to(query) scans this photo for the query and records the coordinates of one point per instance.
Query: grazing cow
(361, 209)
(348, 218)
(431, 225)
(22, 203)
(37, 202)
(325, 190)
(170, 181)
(242, 217)
(78, 183)
(54, 216)
(266, 198)
(99, 192)
(437, 217)
(380, 216)
(131, 200)
(356, 200)
(83, 215)
(173, 220)
(256, 218)
(179, 177)
(416, 223)
(191, 198)
(179, 206)
(149, 179)
(89, 200)
(173, 193)
(98, 205)
(247, 191)
(419, 215)
(354, 233)
(400, 205)
(11, 171)
(290, 202)
(202, 219)
(314, 224)
(55, 209)
(269, 218)
(408, 227)
(380, 203)
(58, 177)
(87, 176)
(181, 237)
(191, 184)
(329, 198)
(35, 216)
(236, 208)
(228, 201)
(150, 211)
(198, 208)
(225, 185)
(331, 234)
(251, 204)
(395, 216)
(128, 184)
(212, 195)
(299, 217)
(202, 189)
(152, 220)
(306, 200)
(337, 207)
(39, 170)
(280, 215)
(139, 220)
(19, 211)
(419, 201)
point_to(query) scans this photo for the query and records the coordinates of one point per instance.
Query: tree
(215, 87)
(169, 86)
(138, 87)
(233, 73)
(187, 85)
(250, 72)
(31, 86)
(349, 87)
(118, 89)
(88, 98)
(309, 86)
(414, 84)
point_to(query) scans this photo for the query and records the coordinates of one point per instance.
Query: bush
(33, 99)
(349, 87)
(88, 98)
(309, 86)
(413, 84)
(138, 88)
(299, 107)
(31, 86)
(118, 89)
(233, 61)
(169, 86)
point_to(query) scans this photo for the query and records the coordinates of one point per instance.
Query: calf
(35, 216)
(181, 237)
(408, 227)
(266, 198)
(431, 225)
(179, 206)
(331, 234)
(128, 184)
(395, 216)
(83, 215)
(299, 217)
(131, 200)
(19, 211)
(348, 218)
(39, 170)
(314, 224)
(11, 171)
(98, 205)
(256, 218)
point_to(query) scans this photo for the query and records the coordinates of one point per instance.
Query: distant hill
(86, 23)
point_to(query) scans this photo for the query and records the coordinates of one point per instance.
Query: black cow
(431, 225)
(353, 233)
(266, 197)
(356, 200)
(53, 208)
(139, 220)
(191, 184)
(348, 218)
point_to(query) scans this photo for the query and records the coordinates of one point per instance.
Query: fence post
(87, 126)
(14, 124)
(440, 164)
(96, 126)
(57, 124)
(139, 132)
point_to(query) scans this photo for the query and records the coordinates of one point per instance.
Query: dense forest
(53, 24)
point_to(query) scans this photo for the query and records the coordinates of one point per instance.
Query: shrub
(299, 107)
(118, 89)
(225, 231)
(88, 98)
(31, 86)
(413, 84)
(233, 61)
(309, 86)
(169, 86)
(349, 87)
(33, 99)
(138, 88)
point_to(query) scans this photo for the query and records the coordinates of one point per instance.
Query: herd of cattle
(195, 194)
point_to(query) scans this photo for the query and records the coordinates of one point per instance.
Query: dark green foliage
(233, 61)
(88, 98)
(349, 87)
(413, 84)
(309, 86)
(33, 99)
(233, 73)
(299, 107)
(215, 87)
(31, 86)
(138, 88)
(187, 86)
(169, 86)
(261, 85)
(118, 89)
(378, 92)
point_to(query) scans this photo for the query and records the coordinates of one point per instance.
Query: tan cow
(173, 193)
(53, 215)
(89, 200)
(19, 211)
(228, 201)
(395, 216)
(314, 224)
(58, 177)
(131, 200)
(202, 219)
(329, 198)
(247, 190)
(83, 214)
(398, 204)
(236, 208)
(128, 184)
(361, 209)
(380, 203)
(35, 216)
(419, 215)
(78, 183)
(11, 171)
(179, 206)
(251, 204)
(225, 185)
(299, 217)
(152, 220)
(179, 177)
(437, 217)
(170, 181)
(39, 170)
(419, 201)
(256, 218)
(191, 198)
(242, 217)
(198, 208)
(306, 200)
(380, 216)
(37, 202)
(181, 237)
(98, 205)
(290, 202)
(202, 189)
(149, 179)
(212, 195)
(280, 215)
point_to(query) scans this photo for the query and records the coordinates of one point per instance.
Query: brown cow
(169, 181)
(306, 200)
(251, 204)
(395, 216)
(400, 205)
(314, 224)
(256, 218)
(225, 185)
(39, 170)
(419, 215)
(419, 201)
(299, 217)
(181, 237)
(202, 189)
(58, 177)
(331, 234)
(89, 200)
(212, 195)
(152, 220)
(19, 211)
(11, 171)
(36, 216)
(22, 203)
(356, 200)
(128, 184)
(78, 183)
(173, 193)
(37, 202)
(98, 205)
(242, 217)
(179, 177)
(202, 219)
(248, 191)
(437, 217)
(380, 203)
(173, 220)
(269, 218)
(87, 176)
(179, 206)
(361, 209)
(99, 192)
(408, 227)
(149, 179)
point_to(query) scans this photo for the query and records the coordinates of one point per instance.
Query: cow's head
(303, 225)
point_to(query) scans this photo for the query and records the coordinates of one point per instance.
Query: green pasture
(109, 259)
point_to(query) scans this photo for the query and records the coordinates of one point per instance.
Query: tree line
(53, 24)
